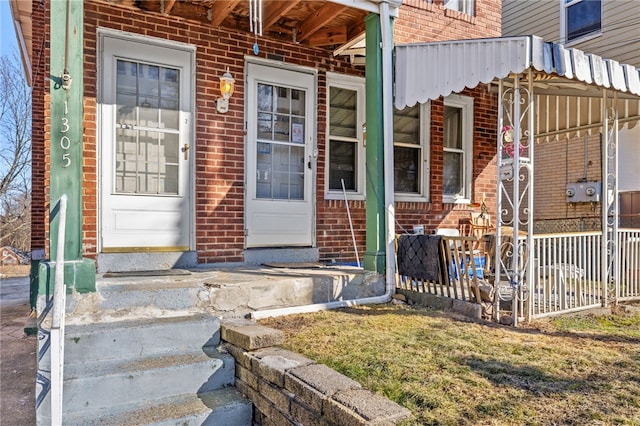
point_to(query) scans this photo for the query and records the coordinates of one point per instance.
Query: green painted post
(66, 90)
(375, 253)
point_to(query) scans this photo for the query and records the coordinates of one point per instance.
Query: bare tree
(15, 154)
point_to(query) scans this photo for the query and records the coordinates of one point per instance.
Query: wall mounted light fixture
(227, 83)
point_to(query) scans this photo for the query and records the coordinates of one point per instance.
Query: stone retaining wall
(289, 389)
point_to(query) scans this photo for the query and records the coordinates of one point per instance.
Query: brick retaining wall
(289, 389)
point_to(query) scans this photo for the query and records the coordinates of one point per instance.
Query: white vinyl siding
(541, 18)
(620, 27)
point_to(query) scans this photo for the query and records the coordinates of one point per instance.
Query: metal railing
(57, 320)
(54, 343)
(628, 282)
(564, 274)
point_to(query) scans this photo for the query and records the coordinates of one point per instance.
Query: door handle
(185, 150)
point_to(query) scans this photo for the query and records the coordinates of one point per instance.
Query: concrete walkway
(17, 354)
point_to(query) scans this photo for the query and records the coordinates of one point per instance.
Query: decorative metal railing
(563, 272)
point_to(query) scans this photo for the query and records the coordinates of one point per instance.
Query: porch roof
(569, 84)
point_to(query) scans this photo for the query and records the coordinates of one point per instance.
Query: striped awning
(569, 85)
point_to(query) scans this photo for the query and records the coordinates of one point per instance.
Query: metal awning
(569, 84)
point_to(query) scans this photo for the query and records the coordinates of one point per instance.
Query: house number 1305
(65, 142)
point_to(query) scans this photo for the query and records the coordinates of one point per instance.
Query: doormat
(153, 273)
(294, 265)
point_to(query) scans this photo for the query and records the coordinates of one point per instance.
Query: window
(346, 154)
(410, 139)
(581, 18)
(346, 148)
(458, 148)
(464, 6)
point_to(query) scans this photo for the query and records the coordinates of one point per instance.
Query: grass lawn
(577, 370)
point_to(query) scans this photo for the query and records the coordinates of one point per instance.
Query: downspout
(387, 140)
(387, 91)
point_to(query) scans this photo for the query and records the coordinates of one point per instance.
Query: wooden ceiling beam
(318, 19)
(275, 10)
(356, 30)
(328, 37)
(167, 5)
(221, 9)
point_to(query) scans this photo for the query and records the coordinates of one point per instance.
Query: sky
(8, 40)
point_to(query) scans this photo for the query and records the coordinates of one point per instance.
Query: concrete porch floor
(223, 291)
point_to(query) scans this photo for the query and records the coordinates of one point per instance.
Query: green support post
(375, 253)
(66, 112)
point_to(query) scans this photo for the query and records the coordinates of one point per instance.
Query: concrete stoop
(144, 350)
(148, 371)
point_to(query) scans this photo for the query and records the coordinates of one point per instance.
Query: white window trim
(466, 104)
(356, 84)
(425, 143)
(564, 37)
(467, 6)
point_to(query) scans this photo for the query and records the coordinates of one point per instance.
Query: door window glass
(280, 150)
(147, 129)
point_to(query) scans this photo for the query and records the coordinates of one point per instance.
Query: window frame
(564, 27)
(467, 6)
(465, 103)
(356, 84)
(425, 169)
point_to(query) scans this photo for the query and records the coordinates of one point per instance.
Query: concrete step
(168, 293)
(101, 384)
(221, 407)
(141, 337)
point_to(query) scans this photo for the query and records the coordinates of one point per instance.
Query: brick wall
(289, 389)
(558, 163)
(420, 21)
(39, 192)
(219, 139)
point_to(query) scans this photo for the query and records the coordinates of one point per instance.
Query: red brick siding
(558, 163)
(39, 192)
(419, 21)
(219, 139)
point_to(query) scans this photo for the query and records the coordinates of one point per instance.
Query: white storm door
(146, 148)
(280, 160)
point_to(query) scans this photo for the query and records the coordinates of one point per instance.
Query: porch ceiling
(568, 84)
(316, 23)
(334, 25)
(21, 13)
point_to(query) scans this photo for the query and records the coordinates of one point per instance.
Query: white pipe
(387, 120)
(305, 309)
(387, 101)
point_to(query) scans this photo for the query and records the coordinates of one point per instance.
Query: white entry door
(145, 146)
(280, 157)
